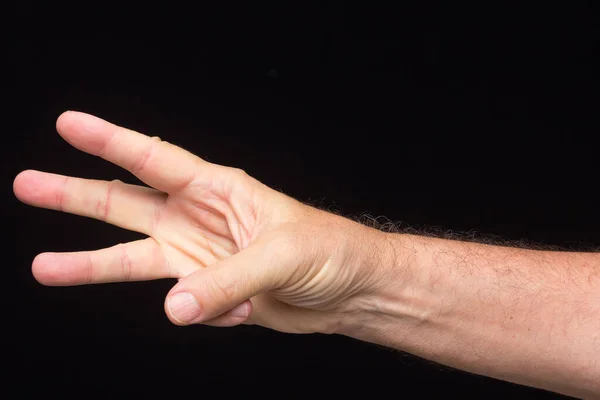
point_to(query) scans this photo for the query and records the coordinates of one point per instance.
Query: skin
(245, 253)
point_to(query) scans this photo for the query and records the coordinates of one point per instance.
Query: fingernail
(183, 307)
(240, 311)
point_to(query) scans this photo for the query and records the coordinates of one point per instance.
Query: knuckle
(104, 202)
(220, 290)
(240, 173)
(125, 264)
(140, 163)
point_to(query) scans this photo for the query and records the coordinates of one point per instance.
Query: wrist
(394, 294)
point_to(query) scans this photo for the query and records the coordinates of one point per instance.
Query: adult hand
(243, 252)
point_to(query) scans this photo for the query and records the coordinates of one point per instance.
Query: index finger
(164, 166)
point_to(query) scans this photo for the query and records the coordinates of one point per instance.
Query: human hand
(243, 252)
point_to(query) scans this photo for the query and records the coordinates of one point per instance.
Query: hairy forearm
(525, 316)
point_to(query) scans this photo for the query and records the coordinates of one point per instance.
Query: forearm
(530, 317)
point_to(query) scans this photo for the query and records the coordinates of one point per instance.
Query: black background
(465, 117)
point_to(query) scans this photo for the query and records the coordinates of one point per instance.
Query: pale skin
(245, 253)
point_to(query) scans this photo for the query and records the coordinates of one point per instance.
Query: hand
(243, 252)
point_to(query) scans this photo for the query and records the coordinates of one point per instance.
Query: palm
(198, 226)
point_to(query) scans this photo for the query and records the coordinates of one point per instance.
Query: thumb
(212, 291)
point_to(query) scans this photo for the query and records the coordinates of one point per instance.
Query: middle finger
(132, 207)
